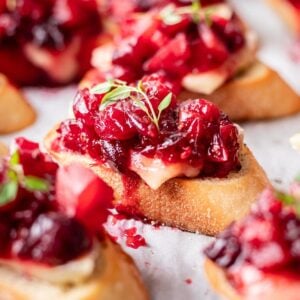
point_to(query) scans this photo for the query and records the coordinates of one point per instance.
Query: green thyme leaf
(8, 192)
(12, 175)
(286, 199)
(165, 103)
(119, 93)
(102, 88)
(36, 184)
(14, 159)
(196, 8)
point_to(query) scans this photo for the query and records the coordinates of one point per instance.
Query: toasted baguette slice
(257, 286)
(257, 93)
(198, 205)
(115, 278)
(217, 278)
(288, 13)
(15, 112)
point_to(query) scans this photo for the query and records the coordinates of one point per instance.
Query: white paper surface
(173, 256)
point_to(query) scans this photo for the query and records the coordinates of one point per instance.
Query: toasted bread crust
(116, 278)
(196, 205)
(258, 93)
(217, 278)
(15, 112)
(288, 13)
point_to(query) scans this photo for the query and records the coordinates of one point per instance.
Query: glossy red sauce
(53, 226)
(134, 240)
(174, 49)
(50, 25)
(295, 3)
(194, 132)
(267, 240)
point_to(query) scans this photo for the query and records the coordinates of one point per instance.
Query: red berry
(171, 58)
(113, 123)
(83, 195)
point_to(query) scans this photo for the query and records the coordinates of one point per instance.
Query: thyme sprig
(289, 200)
(16, 178)
(116, 90)
(172, 15)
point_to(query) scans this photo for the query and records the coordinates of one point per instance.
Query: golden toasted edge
(257, 93)
(196, 205)
(115, 278)
(217, 278)
(15, 112)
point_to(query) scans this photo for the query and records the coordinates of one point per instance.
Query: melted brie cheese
(73, 272)
(209, 81)
(62, 66)
(155, 172)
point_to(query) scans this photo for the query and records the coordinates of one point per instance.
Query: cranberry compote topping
(268, 238)
(52, 239)
(194, 132)
(48, 215)
(295, 3)
(50, 25)
(175, 48)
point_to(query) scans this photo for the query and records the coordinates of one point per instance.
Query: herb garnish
(172, 15)
(289, 200)
(116, 90)
(16, 178)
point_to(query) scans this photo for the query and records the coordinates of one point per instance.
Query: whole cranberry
(83, 195)
(171, 58)
(230, 32)
(52, 239)
(33, 161)
(113, 123)
(85, 105)
(196, 115)
(157, 86)
(225, 250)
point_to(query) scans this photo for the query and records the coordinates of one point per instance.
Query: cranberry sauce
(32, 228)
(268, 238)
(188, 44)
(295, 3)
(193, 132)
(50, 25)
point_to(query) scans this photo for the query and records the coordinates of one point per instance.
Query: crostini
(53, 245)
(15, 112)
(258, 257)
(181, 164)
(206, 50)
(289, 10)
(47, 42)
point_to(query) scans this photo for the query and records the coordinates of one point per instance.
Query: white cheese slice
(73, 272)
(155, 172)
